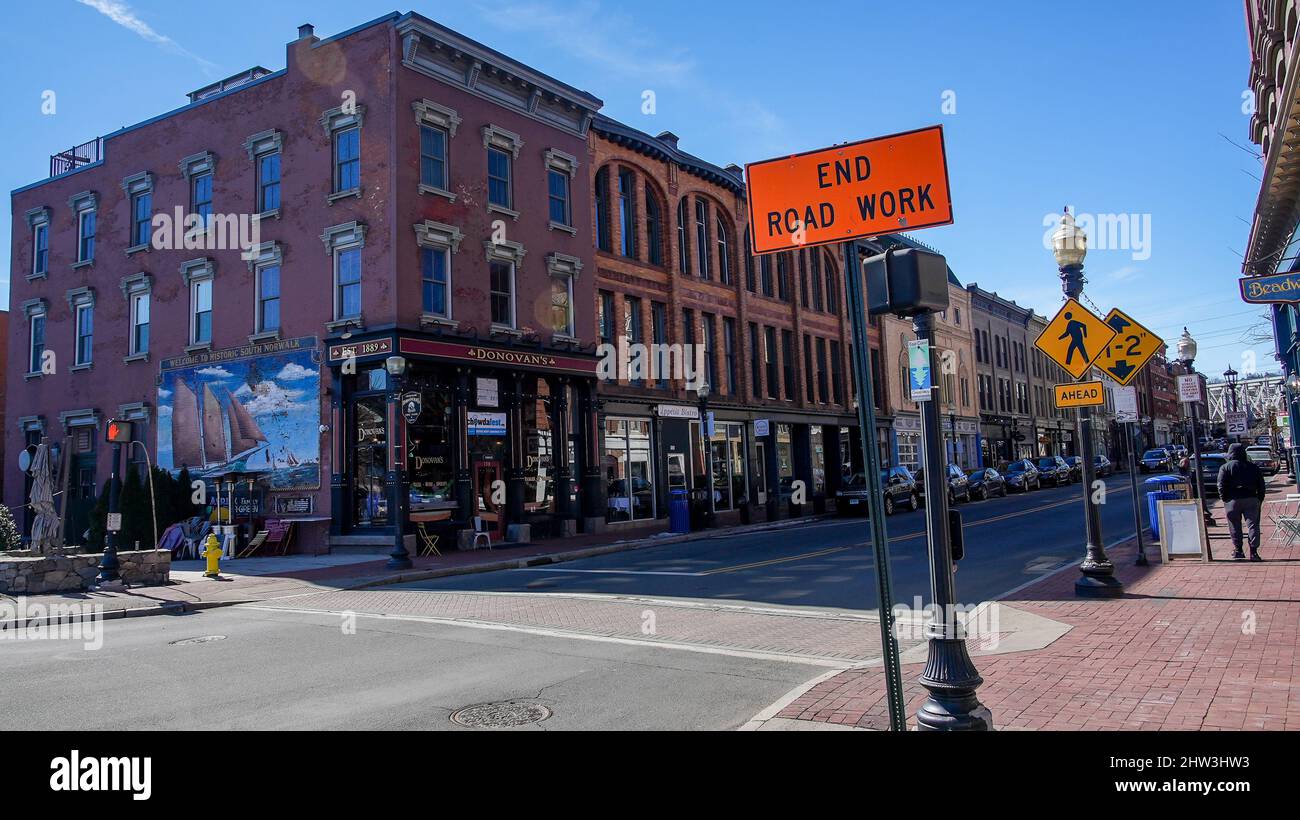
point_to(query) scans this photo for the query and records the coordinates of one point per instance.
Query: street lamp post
(1230, 376)
(398, 497)
(1187, 355)
(1097, 578)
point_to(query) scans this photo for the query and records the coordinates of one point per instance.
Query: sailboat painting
(257, 413)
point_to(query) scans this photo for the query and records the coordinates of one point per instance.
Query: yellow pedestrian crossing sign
(1132, 346)
(1074, 338)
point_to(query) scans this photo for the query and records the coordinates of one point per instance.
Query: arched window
(724, 252)
(654, 227)
(603, 240)
(627, 212)
(702, 243)
(683, 248)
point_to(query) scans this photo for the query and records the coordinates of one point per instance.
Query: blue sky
(1112, 108)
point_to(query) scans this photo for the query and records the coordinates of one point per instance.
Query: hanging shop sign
(677, 411)
(1267, 290)
(877, 186)
(412, 406)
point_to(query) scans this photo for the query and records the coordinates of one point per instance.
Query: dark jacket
(1239, 478)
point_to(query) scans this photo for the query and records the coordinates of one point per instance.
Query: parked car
(1103, 466)
(897, 484)
(958, 484)
(1210, 464)
(1022, 476)
(1262, 456)
(986, 482)
(1264, 441)
(1076, 467)
(1155, 460)
(1053, 470)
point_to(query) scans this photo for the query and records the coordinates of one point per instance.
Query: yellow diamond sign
(1074, 338)
(1132, 346)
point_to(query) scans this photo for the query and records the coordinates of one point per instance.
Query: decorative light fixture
(1186, 348)
(395, 365)
(1069, 242)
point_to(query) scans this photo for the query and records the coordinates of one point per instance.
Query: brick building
(673, 267)
(412, 193)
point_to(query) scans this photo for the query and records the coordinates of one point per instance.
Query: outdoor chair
(428, 541)
(480, 534)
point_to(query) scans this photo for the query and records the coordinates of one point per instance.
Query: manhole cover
(200, 639)
(501, 715)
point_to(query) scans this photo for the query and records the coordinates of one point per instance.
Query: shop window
(629, 477)
(818, 446)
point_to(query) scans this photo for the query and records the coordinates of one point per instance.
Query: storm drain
(502, 715)
(199, 639)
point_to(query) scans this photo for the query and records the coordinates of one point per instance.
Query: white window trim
(447, 238)
(195, 272)
(338, 292)
(569, 334)
(195, 344)
(84, 204)
(39, 219)
(334, 121)
(557, 160)
(431, 114)
(33, 308)
(268, 254)
(136, 185)
(138, 284)
(513, 254)
(336, 238)
(259, 145)
(78, 298)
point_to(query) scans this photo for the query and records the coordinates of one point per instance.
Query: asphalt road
(830, 565)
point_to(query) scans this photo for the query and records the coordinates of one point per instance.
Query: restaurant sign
(473, 352)
(360, 350)
(1264, 290)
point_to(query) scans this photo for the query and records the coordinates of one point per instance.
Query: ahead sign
(869, 188)
(1080, 394)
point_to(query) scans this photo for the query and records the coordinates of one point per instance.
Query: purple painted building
(397, 190)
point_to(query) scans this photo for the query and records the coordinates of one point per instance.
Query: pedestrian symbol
(1133, 345)
(1074, 338)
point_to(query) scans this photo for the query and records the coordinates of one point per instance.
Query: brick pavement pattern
(1188, 647)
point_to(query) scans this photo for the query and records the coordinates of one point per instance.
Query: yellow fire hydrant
(212, 552)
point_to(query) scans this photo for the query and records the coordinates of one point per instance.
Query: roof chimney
(668, 137)
(306, 30)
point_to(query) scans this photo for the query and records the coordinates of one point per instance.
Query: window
(433, 157)
(688, 326)
(433, 281)
(627, 213)
(503, 293)
(683, 247)
(769, 334)
(632, 328)
(268, 182)
(86, 236)
(702, 243)
(765, 273)
(603, 240)
(201, 198)
(755, 363)
(810, 386)
(139, 342)
(557, 184)
(347, 283)
(141, 215)
(268, 299)
(821, 370)
(347, 160)
(729, 353)
(84, 353)
(563, 269)
(832, 291)
(659, 327)
(816, 264)
(724, 252)
(36, 312)
(40, 249)
(606, 318)
(787, 363)
(783, 276)
(711, 350)
(804, 297)
(499, 178)
(201, 312)
(654, 228)
(837, 373)
(750, 284)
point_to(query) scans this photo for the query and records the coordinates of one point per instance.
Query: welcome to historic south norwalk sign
(1264, 290)
(870, 188)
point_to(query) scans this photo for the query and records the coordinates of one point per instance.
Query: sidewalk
(1188, 647)
(251, 580)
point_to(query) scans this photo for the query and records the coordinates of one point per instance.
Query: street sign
(1074, 338)
(1126, 404)
(1132, 346)
(1189, 388)
(1080, 394)
(869, 188)
(1235, 423)
(1266, 290)
(918, 370)
(114, 523)
(118, 432)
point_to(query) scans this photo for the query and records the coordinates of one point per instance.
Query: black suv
(958, 484)
(1022, 476)
(897, 484)
(1054, 469)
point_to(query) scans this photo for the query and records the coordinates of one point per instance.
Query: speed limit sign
(1235, 423)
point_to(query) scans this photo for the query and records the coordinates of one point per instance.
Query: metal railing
(77, 156)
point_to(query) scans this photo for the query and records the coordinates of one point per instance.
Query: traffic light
(119, 432)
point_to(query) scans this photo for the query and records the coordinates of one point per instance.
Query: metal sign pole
(1137, 514)
(875, 497)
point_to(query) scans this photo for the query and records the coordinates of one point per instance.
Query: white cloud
(124, 16)
(293, 372)
(164, 410)
(269, 398)
(215, 372)
(162, 394)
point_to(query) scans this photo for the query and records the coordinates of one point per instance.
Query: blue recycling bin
(1162, 488)
(679, 512)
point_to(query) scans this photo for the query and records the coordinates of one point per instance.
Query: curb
(169, 608)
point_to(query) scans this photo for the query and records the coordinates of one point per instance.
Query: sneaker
(1254, 556)
(1238, 555)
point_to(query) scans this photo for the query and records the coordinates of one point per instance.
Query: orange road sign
(1080, 394)
(1131, 348)
(1074, 338)
(868, 188)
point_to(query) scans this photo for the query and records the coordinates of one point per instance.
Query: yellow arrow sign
(1079, 394)
(1132, 346)
(1074, 338)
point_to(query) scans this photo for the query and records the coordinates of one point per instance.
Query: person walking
(1241, 486)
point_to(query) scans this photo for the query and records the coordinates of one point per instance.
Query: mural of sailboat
(199, 438)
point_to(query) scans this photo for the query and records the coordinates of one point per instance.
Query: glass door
(369, 461)
(489, 494)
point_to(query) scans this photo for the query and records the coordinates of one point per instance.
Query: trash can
(1162, 488)
(679, 512)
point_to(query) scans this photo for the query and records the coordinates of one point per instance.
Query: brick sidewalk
(1188, 647)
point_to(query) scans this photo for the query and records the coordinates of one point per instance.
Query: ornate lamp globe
(1293, 382)
(1186, 347)
(1069, 242)
(703, 390)
(395, 365)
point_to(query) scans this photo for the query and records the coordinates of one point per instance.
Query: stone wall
(28, 574)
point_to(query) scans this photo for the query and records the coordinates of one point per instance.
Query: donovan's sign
(1280, 287)
(868, 188)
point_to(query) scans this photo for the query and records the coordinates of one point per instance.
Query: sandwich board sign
(1133, 345)
(1074, 338)
(1079, 394)
(868, 188)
